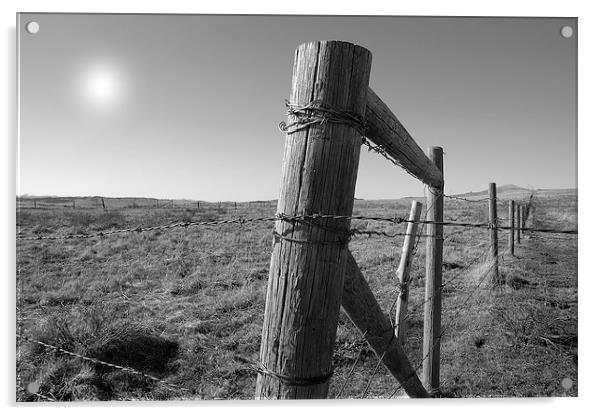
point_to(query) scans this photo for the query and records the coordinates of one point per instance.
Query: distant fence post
(198, 205)
(431, 345)
(102, 199)
(518, 220)
(511, 225)
(308, 262)
(493, 239)
(523, 218)
(403, 272)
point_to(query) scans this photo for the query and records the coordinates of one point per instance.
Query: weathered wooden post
(403, 271)
(361, 307)
(511, 225)
(308, 265)
(102, 199)
(518, 220)
(434, 271)
(523, 218)
(198, 205)
(493, 239)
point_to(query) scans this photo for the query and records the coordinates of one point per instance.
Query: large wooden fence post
(434, 271)
(493, 239)
(511, 225)
(309, 262)
(403, 272)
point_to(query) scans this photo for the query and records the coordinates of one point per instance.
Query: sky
(188, 106)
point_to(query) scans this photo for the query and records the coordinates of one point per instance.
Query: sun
(101, 86)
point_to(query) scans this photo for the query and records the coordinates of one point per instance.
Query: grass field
(186, 305)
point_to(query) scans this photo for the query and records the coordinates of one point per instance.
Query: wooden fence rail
(386, 131)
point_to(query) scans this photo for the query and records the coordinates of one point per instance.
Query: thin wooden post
(493, 239)
(518, 220)
(198, 205)
(523, 218)
(403, 271)
(434, 272)
(103, 203)
(234, 205)
(511, 225)
(309, 262)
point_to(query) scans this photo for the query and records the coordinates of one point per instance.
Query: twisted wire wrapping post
(100, 362)
(259, 367)
(293, 381)
(313, 113)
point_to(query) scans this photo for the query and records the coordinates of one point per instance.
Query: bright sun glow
(101, 86)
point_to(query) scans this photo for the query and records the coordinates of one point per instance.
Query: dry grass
(187, 305)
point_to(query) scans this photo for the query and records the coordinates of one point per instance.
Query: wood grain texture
(318, 176)
(431, 341)
(493, 236)
(385, 130)
(403, 271)
(362, 308)
(518, 221)
(511, 225)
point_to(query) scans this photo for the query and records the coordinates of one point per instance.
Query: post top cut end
(333, 43)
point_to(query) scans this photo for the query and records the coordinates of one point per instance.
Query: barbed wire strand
(443, 331)
(100, 362)
(280, 216)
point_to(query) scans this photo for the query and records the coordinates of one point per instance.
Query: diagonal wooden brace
(362, 308)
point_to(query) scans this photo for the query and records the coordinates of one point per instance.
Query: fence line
(415, 308)
(395, 220)
(298, 218)
(444, 330)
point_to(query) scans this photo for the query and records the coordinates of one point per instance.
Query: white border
(589, 139)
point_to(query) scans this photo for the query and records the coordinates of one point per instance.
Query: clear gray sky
(187, 106)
